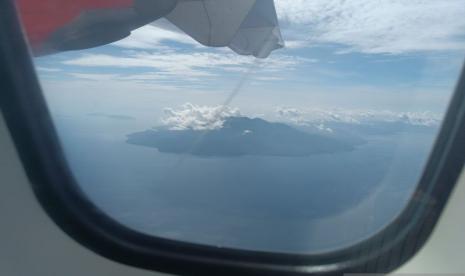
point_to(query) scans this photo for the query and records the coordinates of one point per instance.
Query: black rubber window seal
(30, 125)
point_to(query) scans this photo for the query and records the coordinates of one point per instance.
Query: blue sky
(386, 57)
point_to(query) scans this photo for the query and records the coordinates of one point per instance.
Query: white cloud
(94, 76)
(292, 114)
(186, 66)
(151, 37)
(47, 69)
(383, 26)
(318, 117)
(322, 127)
(295, 44)
(197, 117)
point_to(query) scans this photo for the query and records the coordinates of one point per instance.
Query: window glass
(308, 132)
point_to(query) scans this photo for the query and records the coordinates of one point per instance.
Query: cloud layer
(383, 26)
(320, 116)
(161, 52)
(197, 117)
(182, 66)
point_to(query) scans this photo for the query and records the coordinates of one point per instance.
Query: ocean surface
(307, 204)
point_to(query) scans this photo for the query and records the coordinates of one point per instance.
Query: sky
(343, 59)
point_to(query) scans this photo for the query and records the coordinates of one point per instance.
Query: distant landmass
(111, 116)
(239, 136)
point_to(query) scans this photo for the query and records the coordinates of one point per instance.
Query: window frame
(34, 135)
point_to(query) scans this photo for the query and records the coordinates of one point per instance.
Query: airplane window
(278, 126)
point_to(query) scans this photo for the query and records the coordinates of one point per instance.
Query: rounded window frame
(31, 127)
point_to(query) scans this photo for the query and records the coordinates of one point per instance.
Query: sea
(312, 204)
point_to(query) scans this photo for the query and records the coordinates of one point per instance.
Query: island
(239, 136)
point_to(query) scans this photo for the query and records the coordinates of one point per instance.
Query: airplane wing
(53, 26)
(248, 27)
